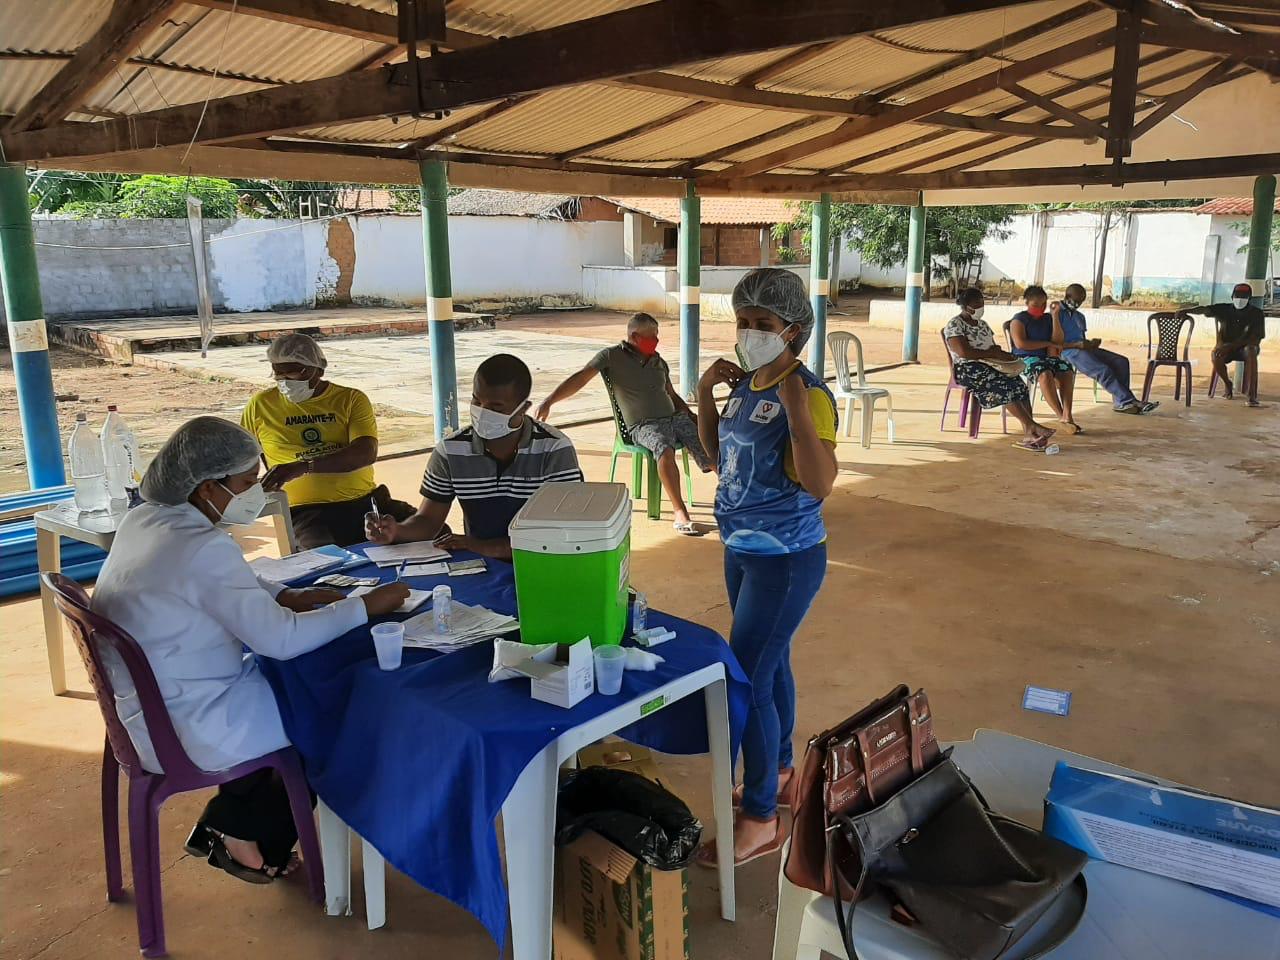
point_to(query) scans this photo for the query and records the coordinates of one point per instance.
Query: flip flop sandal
(1071, 428)
(706, 855)
(686, 529)
(220, 858)
(1035, 446)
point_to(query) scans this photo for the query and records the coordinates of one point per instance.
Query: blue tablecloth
(418, 761)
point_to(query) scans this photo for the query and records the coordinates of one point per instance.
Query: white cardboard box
(563, 675)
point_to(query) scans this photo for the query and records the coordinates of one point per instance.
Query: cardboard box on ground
(609, 905)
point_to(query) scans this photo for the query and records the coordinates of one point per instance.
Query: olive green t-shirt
(639, 383)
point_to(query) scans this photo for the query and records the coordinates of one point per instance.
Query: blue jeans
(1110, 369)
(769, 597)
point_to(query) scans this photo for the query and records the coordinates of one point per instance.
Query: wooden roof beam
(128, 23)
(748, 143)
(1124, 83)
(628, 41)
(1091, 128)
(853, 129)
(1010, 128)
(788, 61)
(1173, 29)
(692, 110)
(340, 18)
(452, 129)
(1213, 77)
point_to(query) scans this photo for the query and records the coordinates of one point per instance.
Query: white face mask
(1070, 304)
(1240, 302)
(296, 391)
(243, 507)
(977, 314)
(491, 425)
(759, 348)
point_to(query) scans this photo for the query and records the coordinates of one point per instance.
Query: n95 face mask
(243, 507)
(759, 348)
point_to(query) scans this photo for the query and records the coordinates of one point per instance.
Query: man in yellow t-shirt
(319, 442)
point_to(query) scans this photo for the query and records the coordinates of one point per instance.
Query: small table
(1131, 915)
(99, 529)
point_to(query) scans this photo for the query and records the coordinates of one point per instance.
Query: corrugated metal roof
(257, 51)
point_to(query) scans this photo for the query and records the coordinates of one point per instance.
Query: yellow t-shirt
(821, 408)
(327, 422)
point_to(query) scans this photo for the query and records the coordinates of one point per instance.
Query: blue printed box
(1212, 842)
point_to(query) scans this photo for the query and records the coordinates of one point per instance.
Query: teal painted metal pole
(434, 192)
(690, 262)
(819, 281)
(28, 339)
(1264, 202)
(915, 285)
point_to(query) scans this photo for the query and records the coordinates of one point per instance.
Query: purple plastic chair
(970, 408)
(147, 791)
(1168, 340)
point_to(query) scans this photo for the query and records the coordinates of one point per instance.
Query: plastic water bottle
(639, 614)
(119, 456)
(88, 473)
(442, 606)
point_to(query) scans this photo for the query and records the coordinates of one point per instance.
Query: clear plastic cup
(611, 660)
(388, 641)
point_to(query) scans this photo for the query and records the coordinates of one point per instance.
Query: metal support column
(819, 281)
(915, 285)
(434, 192)
(690, 263)
(27, 336)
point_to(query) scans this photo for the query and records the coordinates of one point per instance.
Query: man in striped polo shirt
(491, 467)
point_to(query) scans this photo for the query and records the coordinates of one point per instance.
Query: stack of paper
(422, 551)
(469, 625)
(416, 598)
(304, 564)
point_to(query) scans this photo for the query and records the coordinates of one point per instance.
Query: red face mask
(1036, 312)
(647, 346)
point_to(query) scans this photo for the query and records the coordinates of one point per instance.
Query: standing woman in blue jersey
(774, 442)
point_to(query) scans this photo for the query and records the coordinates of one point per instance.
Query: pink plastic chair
(147, 791)
(970, 409)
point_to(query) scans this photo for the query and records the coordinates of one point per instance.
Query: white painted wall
(656, 290)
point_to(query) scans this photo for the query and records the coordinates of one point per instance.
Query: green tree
(153, 196)
(51, 190)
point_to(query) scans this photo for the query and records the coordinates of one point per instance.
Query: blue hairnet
(780, 292)
(205, 448)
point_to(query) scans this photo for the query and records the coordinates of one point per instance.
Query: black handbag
(976, 881)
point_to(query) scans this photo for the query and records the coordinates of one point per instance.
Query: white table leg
(528, 831)
(49, 560)
(722, 790)
(335, 852)
(375, 884)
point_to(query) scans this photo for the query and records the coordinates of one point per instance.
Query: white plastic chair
(850, 394)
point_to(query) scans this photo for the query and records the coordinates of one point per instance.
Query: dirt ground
(1139, 569)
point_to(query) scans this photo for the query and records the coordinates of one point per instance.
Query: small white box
(562, 675)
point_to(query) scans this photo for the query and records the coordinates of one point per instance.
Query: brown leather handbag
(848, 770)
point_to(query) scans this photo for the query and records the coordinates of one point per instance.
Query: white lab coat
(181, 587)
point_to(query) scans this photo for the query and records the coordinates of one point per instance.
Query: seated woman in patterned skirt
(973, 348)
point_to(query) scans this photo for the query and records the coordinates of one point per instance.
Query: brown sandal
(784, 793)
(706, 855)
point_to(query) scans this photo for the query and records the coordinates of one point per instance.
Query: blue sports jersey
(759, 508)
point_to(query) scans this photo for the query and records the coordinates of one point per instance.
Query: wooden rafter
(628, 41)
(749, 142)
(690, 110)
(1185, 95)
(152, 63)
(853, 129)
(1090, 128)
(1010, 128)
(1124, 84)
(341, 18)
(1173, 29)
(788, 61)
(736, 95)
(443, 133)
(128, 23)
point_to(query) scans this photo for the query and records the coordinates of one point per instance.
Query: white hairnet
(296, 348)
(780, 292)
(206, 448)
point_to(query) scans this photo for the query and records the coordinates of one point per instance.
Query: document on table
(416, 598)
(468, 624)
(425, 570)
(306, 563)
(421, 551)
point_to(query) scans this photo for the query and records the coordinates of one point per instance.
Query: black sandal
(200, 843)
(220, 858)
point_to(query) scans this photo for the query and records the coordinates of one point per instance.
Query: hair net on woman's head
(206, 448)
(780, 292)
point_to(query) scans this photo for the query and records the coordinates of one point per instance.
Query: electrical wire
(217, 65)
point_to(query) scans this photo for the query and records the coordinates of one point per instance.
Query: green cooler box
(571, 546)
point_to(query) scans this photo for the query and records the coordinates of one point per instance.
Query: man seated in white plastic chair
(656, 416)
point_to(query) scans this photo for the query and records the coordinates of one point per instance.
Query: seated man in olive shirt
(1241, 327)
(656, 416)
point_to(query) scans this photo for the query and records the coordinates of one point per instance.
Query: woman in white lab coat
(181, 587)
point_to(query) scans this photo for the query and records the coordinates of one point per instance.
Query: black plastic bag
(642, 818)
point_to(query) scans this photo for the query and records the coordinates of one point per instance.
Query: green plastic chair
(642, 461)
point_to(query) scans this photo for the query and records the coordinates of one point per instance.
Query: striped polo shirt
(491, 494)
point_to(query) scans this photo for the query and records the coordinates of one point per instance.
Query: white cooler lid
(573, 517)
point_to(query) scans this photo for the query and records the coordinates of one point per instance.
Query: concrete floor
(1139, 569)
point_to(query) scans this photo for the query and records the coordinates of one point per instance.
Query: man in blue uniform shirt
(1109, 368)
